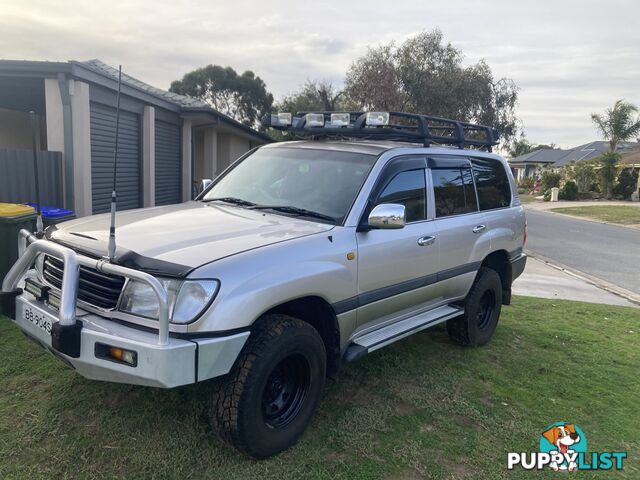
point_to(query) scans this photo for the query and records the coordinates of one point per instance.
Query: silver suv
(299, 256)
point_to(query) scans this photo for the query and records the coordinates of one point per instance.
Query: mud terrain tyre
(266, 401)
(481, 311)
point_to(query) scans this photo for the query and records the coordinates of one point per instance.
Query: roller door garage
(168, 163)
(103, 132)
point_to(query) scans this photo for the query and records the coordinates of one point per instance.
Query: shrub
(627, 183)
(569, 191)
(550, 179)
(584, 174)
(526, 183)
(547, 196)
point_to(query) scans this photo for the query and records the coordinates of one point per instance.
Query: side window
(407, 188)
(453, 191)
(492, 184)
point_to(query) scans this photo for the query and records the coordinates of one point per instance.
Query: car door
(397, 269)
(462, 230)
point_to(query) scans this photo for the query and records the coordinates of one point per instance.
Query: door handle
(428, 240)
(479, 228)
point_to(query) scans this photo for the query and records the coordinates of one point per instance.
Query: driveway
(606, 252)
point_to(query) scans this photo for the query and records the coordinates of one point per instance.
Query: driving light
(340, 119)
(314, 120)
(283, 119)
(377, 119)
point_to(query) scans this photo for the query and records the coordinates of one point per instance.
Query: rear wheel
(481, 311)
(265, 403)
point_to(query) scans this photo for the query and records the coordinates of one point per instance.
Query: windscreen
(323, 181)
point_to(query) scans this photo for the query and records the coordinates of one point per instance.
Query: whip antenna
(112, 228)
(34, 144)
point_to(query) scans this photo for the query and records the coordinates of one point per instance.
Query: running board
(382, 337)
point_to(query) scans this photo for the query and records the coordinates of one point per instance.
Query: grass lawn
(421, 408)
(622, 214)
(526, 198)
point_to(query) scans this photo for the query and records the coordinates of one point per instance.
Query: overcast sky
(569, 58)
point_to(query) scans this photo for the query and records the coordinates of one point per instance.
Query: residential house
(166, 141)
(527, 164)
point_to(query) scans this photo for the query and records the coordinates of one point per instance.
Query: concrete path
(542, 280)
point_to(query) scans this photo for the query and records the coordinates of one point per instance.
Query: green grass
(421, 408)
(622, 214)
(526, 198)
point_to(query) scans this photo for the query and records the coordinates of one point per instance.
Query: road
(607, 252)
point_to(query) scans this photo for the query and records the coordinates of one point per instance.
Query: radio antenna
(112, 228)
(34, 144)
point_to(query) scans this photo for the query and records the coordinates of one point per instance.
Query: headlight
(186, 299)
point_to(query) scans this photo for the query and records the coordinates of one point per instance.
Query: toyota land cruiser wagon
(301, 255)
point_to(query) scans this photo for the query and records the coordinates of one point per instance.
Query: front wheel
(265, 403)
(481, 311)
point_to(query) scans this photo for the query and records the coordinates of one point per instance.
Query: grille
(95, 288)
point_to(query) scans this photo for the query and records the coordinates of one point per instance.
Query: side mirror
(204, 183)
(387, 216)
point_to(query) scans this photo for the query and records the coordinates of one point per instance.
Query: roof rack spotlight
(314, 120)
(393, 126)
(280, 120)
(377, 119)
(340, 119)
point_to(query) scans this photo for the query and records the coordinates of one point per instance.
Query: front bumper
(179, 362)
(79, 338)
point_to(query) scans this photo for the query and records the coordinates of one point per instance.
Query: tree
(522, 147)
(618, 124)
(608, 171)
(242, 97)
(426, 75)
(313, 96)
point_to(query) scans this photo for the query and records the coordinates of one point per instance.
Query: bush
(549, 180)
(627, 183)
(526, 183)
(569, 191)
(522, 191)
(547, 196)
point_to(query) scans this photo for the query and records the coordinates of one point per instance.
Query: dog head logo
(565, 439)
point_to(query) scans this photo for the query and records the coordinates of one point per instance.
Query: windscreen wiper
(234, 200)
(296, 210)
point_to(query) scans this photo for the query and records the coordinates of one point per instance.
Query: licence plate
(37, 319)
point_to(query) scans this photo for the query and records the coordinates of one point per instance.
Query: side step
(382, 337)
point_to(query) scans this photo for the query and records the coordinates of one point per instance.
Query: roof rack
(396, 126)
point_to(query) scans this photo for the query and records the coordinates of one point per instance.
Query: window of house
(453, 190)
(407, 188)
(492, 184)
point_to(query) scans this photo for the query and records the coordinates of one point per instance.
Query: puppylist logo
(563, 447)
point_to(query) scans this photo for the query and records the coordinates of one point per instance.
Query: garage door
(103, 132)
(168, 164)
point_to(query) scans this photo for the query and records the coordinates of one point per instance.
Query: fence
(17, 183)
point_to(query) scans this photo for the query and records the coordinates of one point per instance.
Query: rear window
(492, 183)
(453, 191)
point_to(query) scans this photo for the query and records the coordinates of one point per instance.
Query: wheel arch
(318, 313)
(500, 263)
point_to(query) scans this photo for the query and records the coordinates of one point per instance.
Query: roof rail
(395, 126)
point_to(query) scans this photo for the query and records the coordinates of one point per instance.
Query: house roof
(99, 72)
(561, 157)
(186, 103)
(631, 156)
